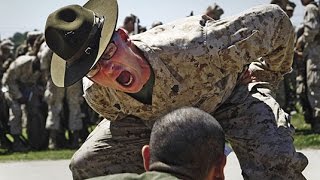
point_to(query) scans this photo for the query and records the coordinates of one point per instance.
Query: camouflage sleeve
(45, 55)
(264, 33)
(10, 81)
(311, 23)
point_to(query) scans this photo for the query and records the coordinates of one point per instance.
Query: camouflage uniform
(6, 57)
(284, 93)
(21, 80)
(301, 80)
(311, 55)
(201, 67)
(54, 96)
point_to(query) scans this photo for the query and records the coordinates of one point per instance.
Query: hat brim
(63, 75)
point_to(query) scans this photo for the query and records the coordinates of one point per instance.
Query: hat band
(87, 48)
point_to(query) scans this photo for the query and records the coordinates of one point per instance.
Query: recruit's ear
(146, 157)
(217, 171)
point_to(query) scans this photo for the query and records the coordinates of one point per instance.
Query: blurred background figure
(301, 79)
(214, 11)
(64, 107)
(290, 8)
(132, 25)
(129, 23)
(23, 86)
(6, 57)
(309, 42)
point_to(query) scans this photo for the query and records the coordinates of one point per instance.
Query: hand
(248, 77)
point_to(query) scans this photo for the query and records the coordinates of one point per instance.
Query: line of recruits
(302, 85)
(28, 98)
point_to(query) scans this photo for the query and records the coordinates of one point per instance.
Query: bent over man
(194, 61)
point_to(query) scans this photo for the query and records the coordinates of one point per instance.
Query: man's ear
(124, 36)
(217, 172)
(146, 157)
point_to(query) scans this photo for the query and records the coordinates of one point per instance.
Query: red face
(121, 67)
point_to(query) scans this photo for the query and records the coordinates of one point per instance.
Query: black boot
(53, 143)
(18, 144)
(74, 140)
(316, 127)
(5, 143)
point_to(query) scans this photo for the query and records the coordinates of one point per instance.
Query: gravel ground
(58, 170)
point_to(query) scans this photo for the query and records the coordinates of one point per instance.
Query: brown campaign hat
(78, 37)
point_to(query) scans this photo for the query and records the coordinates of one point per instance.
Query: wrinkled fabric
(198, 63)
(261, 135)
(312, 57)
(111, 150)
(200, 66)
(20, 82)
(54, 97)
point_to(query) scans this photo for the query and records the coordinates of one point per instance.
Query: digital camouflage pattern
(6, 55)
(311, 55)
(201, 67)
(54, 97)
(20, 80)
(261, 135)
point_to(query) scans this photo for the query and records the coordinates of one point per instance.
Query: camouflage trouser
(313, 88)
(35, 114)
(261, 135)
(286, 95)
(301, 89)
(54, 97)
(259, 131)
(15, 117)
(111, 150)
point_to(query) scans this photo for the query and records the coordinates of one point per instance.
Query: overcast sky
(27, 15)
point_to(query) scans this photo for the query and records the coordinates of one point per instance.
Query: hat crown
(78, 36)
(68, 29)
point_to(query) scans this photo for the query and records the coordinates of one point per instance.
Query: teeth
(129, 82)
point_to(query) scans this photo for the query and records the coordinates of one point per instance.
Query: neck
(145, 94)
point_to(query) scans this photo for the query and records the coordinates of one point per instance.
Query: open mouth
(125, 78)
